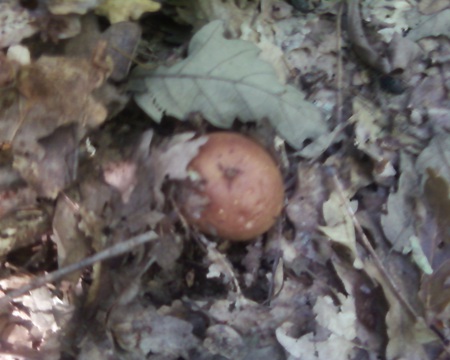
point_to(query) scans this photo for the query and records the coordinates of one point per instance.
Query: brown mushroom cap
(242, 185)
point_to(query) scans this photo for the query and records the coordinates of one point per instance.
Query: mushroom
(240, 184)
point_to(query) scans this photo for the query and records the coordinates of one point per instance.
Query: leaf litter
(350, 98)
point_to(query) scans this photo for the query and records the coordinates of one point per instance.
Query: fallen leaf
(22, 227)
(340, 323)
(200, 12)
(369, 122)
(435, 295)
(141, 331)
(16, 23)
(431, 25)
(436, 156)
(428, 7)
(64, 7)
(398, 224)
(117, 10)
(437, 193)
(225, 341)
(170, 160)
(41, 103)
(406, 334)
(56, 168)
(224, 80)
(340, 226)
(304, 206)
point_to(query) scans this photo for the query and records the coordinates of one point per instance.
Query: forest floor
(104, 105)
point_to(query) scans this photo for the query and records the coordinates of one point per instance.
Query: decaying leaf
(16, 23)
(43, 123)
(436, 156)
(224, 80)
(398, 224)
(224, 340)
(432, 25)
(141, 331)
(64, 7)
(200, 12)
(432, 6)
(340, 226)
(435, 295)
(171, 159)
(22, 227)
(437, 192)
(407, 334)
(34, 317)
(304, 206)
(117, 10)
(43, 105)
(56, 169)
(338, 324)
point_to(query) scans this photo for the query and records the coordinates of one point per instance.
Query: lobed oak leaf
(224, 80)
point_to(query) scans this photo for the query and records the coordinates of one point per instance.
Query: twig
(110, 252)
(378, 263)
(358, 39)
(339, 75)
(368, 246)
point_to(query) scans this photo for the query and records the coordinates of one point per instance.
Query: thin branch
(378, 263)
(368, 246)
(339, 72)
(110, 252)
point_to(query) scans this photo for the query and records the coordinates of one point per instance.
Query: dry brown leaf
(435, 296)
(431, 26)
(71, 243)
(406, 334)
(64, 7)
(304, 206)
(428, 7)
(339, 224)
(140, 331)
(398, 224)
(16, 23)
(22, 227)
(44, 104)
(170, 160)
(436, 191)
(56, 168)
(335, 341)
(13, 191)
